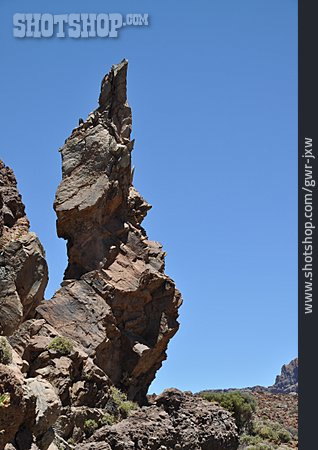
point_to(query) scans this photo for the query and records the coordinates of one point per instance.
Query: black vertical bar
(307, 221)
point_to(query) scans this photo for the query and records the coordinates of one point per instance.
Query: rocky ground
(280, 408)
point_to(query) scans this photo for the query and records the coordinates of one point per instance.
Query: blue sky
(213, 88)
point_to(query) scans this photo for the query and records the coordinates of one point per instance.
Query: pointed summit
(113, 102)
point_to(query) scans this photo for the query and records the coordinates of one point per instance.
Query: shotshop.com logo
(74, 25)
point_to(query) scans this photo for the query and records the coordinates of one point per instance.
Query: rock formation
(287, 381)
(125, 306)
(23, 269)
(28, 406)
(174, 420)
(72, 368)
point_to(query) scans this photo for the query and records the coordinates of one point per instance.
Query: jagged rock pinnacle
(115, 279)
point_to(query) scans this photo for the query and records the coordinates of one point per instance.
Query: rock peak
(113, 103)
(287, 381)
(93, 197)
(114, 86)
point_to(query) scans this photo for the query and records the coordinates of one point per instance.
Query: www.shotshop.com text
(309, 227)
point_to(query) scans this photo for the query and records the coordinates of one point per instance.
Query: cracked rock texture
(126, 308)
(174, 420)
(23, 269)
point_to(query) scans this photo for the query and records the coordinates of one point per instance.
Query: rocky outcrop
(29, 407)
(174, 420)
(287, 381)
(125, 307)
(23, 269)
(12, 404)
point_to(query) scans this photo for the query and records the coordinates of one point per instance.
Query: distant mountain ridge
(274, 423)
(285, 383)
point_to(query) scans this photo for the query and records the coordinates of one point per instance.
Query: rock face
(13, 404)
(126, 308)
(23, 269)
(28, 406)
(287, 381)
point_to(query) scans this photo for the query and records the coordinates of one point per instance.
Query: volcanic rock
(12, 404)
(74, 363)
(47, 409)
(28, 409)
(287, 381)
(174, 420)
(23, 269)
(115, 301)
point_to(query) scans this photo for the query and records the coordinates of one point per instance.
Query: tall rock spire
(116, 300)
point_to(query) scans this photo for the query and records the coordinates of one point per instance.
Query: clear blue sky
(213, 87)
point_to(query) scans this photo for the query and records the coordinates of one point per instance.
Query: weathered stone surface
(96, 446)
(29, 410)
(175, 420)
(125, 307)
(23, 269)
(74, 376)
(47, 406)
(12, 411)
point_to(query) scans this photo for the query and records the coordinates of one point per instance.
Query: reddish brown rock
(12, 404)
(23, 269)
(28, 409)
(116, 300)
